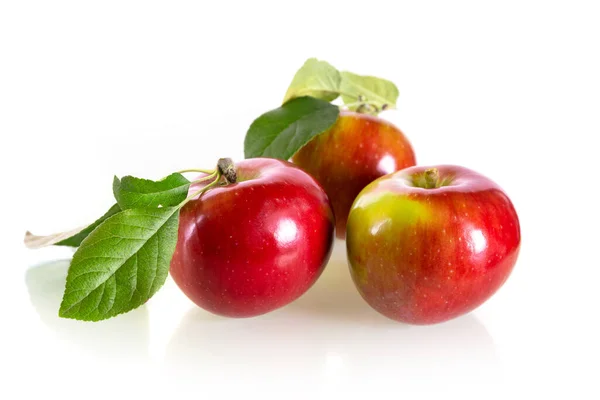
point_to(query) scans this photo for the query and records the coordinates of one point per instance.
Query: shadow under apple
(334, 296)
(358, 349)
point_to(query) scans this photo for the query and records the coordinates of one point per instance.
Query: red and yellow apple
(356, 150)
(427, 244)
(253, 246)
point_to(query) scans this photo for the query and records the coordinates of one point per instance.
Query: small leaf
(281, 132)
(121, 264)
(317, 79)
(71, 238)
(374, 90)
(133, 192)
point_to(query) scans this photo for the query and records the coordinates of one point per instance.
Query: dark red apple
(253, 246)
(427, 244)
(358, 149)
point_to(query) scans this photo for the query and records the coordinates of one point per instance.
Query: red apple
(255, 245)
(427, 244)
(358, 149)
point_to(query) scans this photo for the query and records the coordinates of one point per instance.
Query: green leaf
(121, 264)
(133, 192)
(71, 238)
(376, 91)
(281, 132)
(316, 79)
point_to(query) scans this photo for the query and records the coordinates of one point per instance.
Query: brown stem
(432, 178)
(227, 169)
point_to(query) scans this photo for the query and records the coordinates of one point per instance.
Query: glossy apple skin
(424, 256)
(358, 149)
(256, 245)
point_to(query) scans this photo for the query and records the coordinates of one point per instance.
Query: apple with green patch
(355, 151)
(428, 244)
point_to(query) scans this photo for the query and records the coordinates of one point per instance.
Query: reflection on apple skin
(329, 337)
(124, 338)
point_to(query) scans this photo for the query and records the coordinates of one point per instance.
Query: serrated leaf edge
(64, 312)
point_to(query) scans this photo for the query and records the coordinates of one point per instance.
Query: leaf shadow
(125, 337)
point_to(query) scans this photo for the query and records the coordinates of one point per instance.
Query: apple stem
(364, 106)
(205, 178)
(432, 178)
(202, 171)
(226, 168)
(200, 192)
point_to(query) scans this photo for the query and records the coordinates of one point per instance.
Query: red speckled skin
(424, 256)
(358, 149)
(251, 247)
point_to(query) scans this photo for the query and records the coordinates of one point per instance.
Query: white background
(93, 89)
